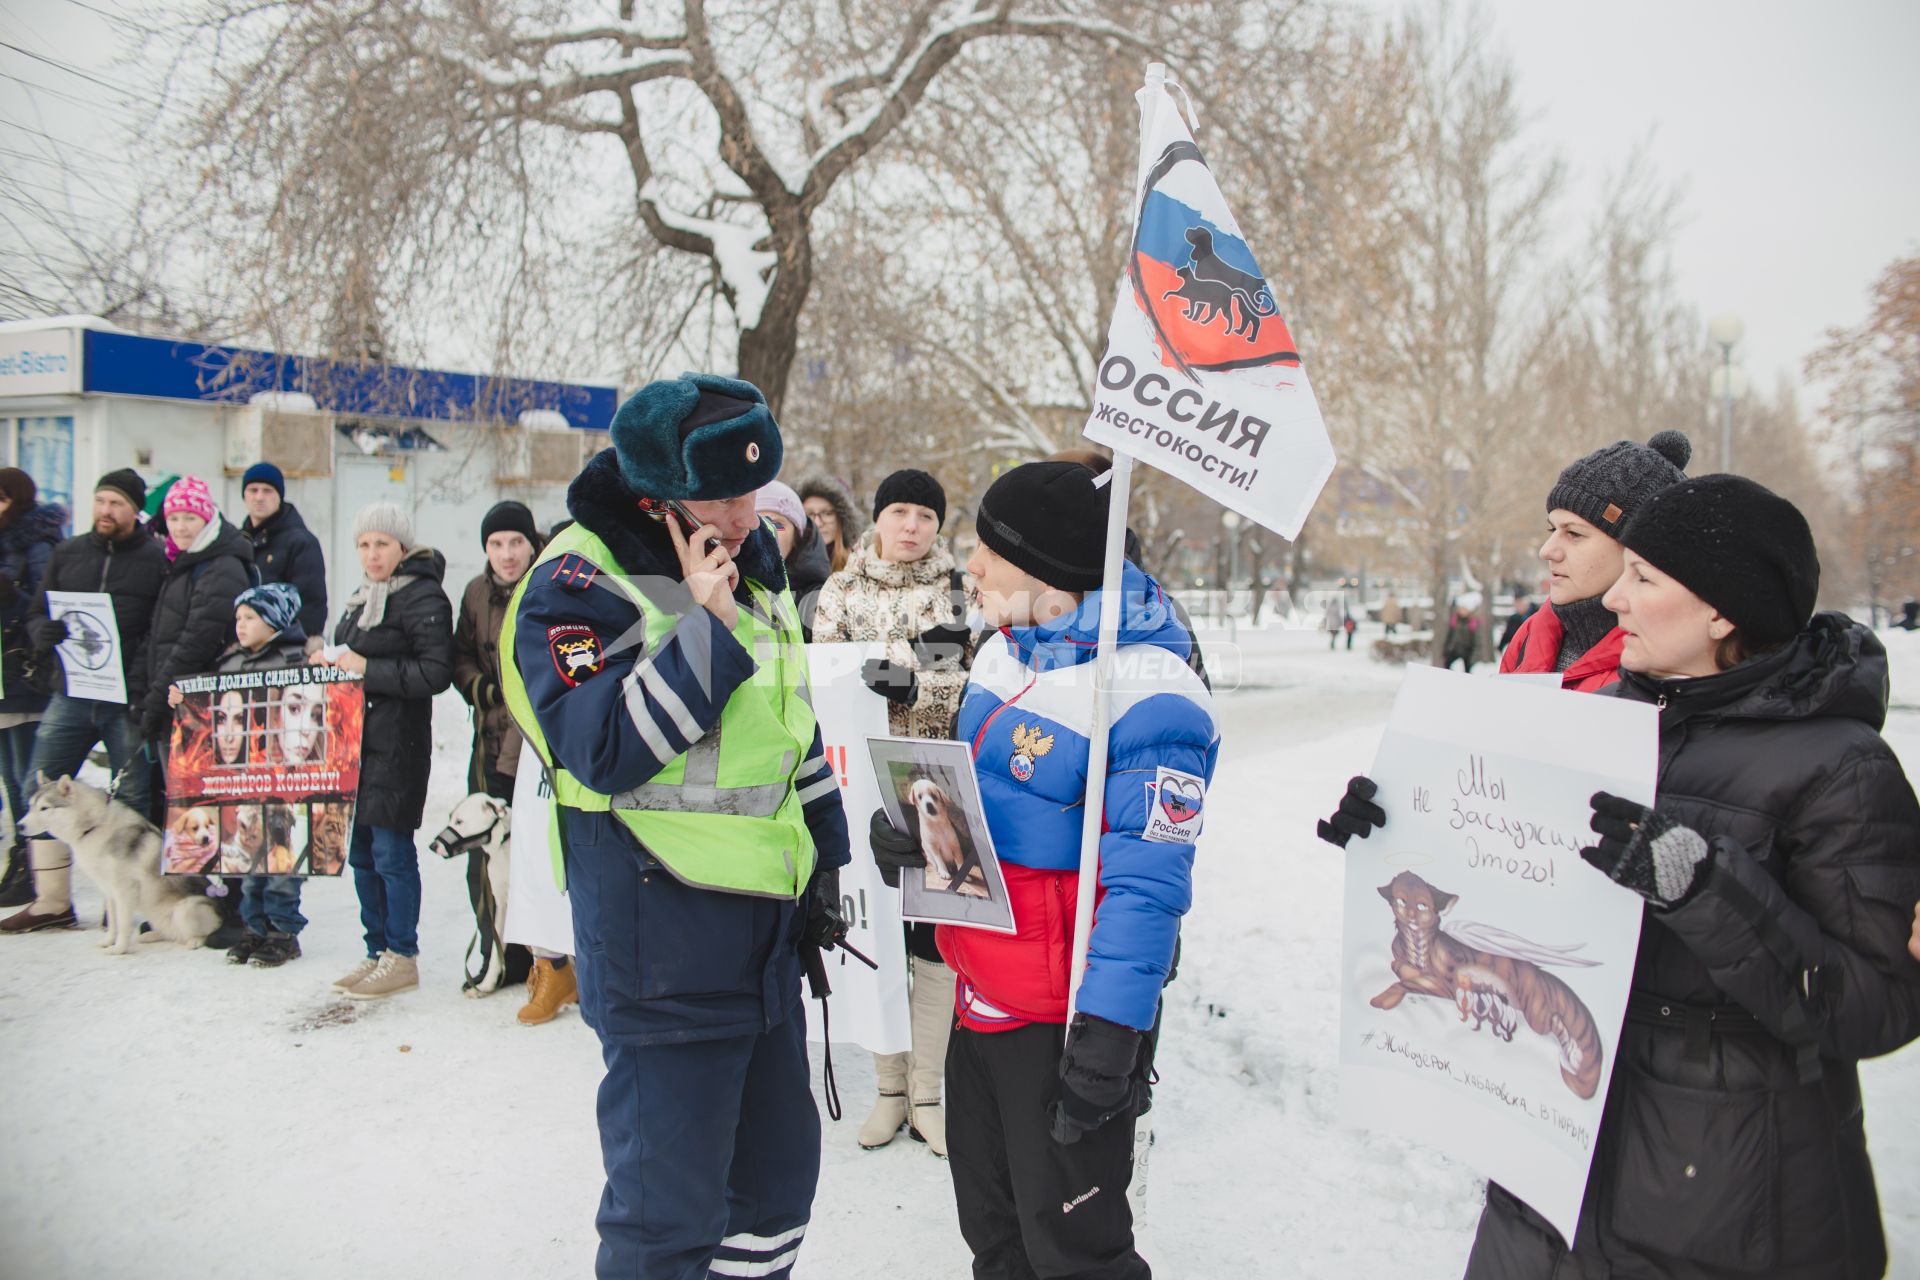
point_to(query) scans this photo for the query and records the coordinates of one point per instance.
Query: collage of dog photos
(929, 791)
(262, 772)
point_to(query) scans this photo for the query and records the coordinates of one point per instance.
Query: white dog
(483, 826)
(120, 851)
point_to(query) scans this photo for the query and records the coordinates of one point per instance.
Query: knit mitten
(1653, 855)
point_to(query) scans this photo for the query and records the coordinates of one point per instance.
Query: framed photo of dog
(929, 790)
(262, 770)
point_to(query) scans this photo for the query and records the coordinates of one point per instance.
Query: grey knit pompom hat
(1607, 486)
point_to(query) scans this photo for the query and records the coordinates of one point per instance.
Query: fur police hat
(1739, 546)
(698, 437)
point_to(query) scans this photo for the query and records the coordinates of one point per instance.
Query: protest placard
(538, 914)
(869, 1005)
(262, 771)
(90, 655)
(1485, 964)
(930, 791)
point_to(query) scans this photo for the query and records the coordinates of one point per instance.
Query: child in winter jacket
(267, 621)
(1031, 1125)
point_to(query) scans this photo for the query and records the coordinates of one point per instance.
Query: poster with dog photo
(262, 770)
(929, 791)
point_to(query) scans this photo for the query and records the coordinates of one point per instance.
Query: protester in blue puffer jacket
(1030, 1125)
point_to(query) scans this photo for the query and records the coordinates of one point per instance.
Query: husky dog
(483, 826)
(120, 851)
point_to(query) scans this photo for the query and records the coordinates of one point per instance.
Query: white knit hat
(385, 517)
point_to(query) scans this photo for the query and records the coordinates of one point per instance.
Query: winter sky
(1788, 124)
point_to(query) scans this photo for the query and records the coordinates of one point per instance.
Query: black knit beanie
(1737, 545)
(912, 486)
(509, 517)
(1048, 519)
(1607, 486)
(127, 483)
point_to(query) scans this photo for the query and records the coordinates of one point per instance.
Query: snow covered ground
(168, 1115)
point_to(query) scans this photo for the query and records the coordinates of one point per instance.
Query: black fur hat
(1739, 546)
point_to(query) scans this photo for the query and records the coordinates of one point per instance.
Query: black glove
(1096, 1077)
(1650, 853)
(1357, 815)
(944, 643)
(894, 851)
(891, 680)
(46, 632)
(156, 727)
(825, 925)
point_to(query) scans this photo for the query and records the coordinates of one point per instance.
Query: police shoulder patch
(577, 653)
(573, 571)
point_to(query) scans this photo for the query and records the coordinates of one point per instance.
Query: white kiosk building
(80, 397)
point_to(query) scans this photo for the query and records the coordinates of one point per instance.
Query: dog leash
(113, 783)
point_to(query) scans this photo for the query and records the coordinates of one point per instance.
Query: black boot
(242, 951)
(16, 886)
(276, 950)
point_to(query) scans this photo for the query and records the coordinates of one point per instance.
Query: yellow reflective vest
(725, 814)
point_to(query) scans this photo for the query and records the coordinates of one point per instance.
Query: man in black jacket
(284, 549)
(118, 557)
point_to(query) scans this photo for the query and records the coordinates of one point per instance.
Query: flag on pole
(1200, 378)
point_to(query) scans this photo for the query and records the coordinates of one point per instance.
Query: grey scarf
(373, 596)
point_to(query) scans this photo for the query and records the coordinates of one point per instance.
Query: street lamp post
(1725, 330)
(1230, 521)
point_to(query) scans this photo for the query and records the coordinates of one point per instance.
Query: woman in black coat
(210, 563)
(397, 632)
(1780, 865)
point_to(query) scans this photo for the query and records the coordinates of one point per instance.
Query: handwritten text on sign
(1485, 965)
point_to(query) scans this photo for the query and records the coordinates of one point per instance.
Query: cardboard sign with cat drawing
(1485, 965)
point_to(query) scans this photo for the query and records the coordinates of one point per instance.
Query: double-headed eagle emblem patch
(1029, 744)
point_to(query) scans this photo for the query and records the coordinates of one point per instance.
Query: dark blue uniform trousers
(708, 1127)
(709, 1141)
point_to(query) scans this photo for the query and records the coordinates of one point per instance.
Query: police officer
(657, 668)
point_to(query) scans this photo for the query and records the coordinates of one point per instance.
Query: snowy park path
(167, 1115)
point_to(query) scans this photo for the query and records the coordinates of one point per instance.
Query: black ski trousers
(1030, 1208)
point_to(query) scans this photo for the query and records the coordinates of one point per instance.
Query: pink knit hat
(782, 501)
(190, 494)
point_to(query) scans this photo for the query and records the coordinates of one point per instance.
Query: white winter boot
(932, 1005)
(890, 1108)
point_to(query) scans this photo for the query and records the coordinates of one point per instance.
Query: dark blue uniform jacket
(660, 961)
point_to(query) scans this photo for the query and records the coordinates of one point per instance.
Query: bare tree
(372, 142)
(1872, 411)
(1468, 306)
(1023, 169)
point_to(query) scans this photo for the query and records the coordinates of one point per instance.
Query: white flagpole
(1120, 485)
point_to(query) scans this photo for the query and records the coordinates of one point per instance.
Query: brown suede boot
(548, 989)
